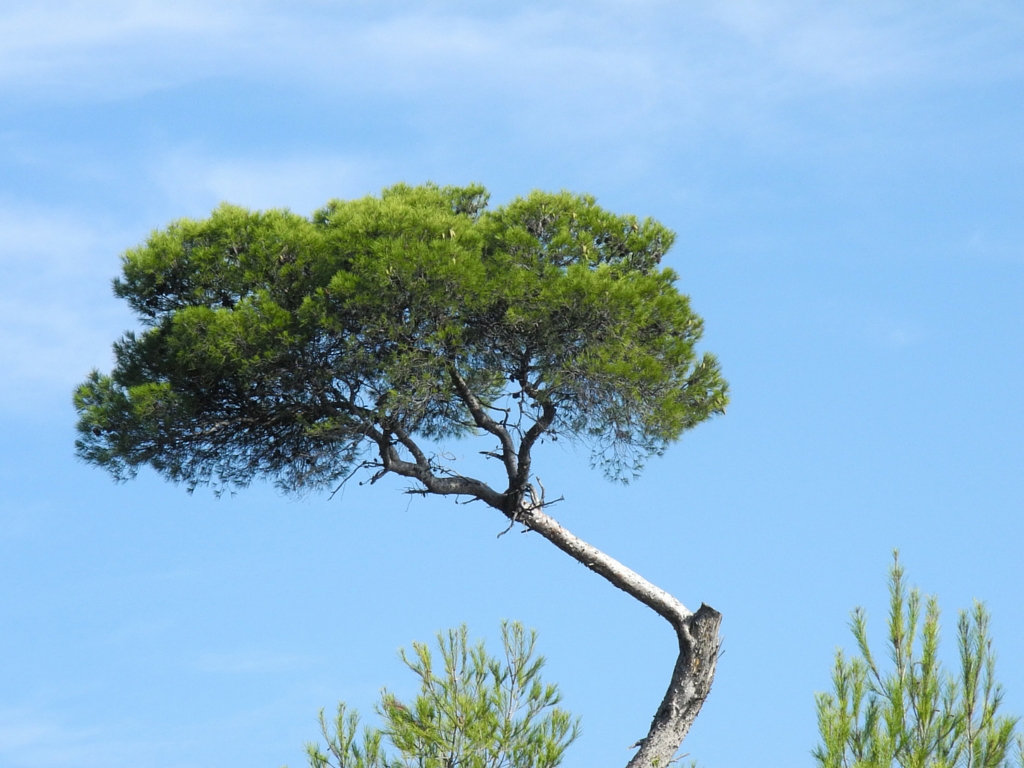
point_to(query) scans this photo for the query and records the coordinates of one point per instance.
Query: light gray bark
(697, 633)
(699, 642)
(699, 645)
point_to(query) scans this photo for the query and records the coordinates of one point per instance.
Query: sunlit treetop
(299, 349)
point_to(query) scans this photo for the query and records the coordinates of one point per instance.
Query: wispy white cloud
(109, 49)
(18, 731)
(29, 739)
(986, 246)
(881, 44)
(829, 44)
(552, 52)
(577, 77)
(56, 321)
(42, 243)
(40, 345)
(194, 182)
(49, 26)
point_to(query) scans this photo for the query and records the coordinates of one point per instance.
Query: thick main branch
(421, 470)
(483, 420)
(697, 633)
(626, 579)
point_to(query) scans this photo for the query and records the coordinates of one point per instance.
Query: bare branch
(486, 423)
(538, 428)
(405, 440)
(349, 476)
(457, 485)
(630, 582)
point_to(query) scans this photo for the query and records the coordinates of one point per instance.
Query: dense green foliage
(297, 349)
(916, 715)
(479, 711)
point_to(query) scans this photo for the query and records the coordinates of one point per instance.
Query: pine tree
(304, 349)
(916, 714)
(477, 711)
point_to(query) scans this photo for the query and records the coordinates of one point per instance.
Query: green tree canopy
(292, 348)
(301, 349)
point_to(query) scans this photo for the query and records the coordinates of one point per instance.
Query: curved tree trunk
(697, 633)
(699, 645)
(699, 642)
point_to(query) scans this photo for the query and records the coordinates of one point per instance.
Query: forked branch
(486, 423)
(697, 633)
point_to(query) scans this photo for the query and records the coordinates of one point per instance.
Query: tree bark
(697, 633)
(699, 646)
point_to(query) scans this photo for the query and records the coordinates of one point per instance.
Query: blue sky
(845, 182)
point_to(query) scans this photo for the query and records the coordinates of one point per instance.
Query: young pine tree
(916, 714)
(473, 711)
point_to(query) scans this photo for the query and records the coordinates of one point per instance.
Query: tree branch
(405, 440)
(486, 423)
(697, 633)
(626, 579)
(538, 428)
(441, 486)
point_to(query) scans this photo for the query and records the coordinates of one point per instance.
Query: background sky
(846, 184)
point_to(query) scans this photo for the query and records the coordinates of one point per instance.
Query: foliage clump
(916, 714)
(476, 711)
(299, 349)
